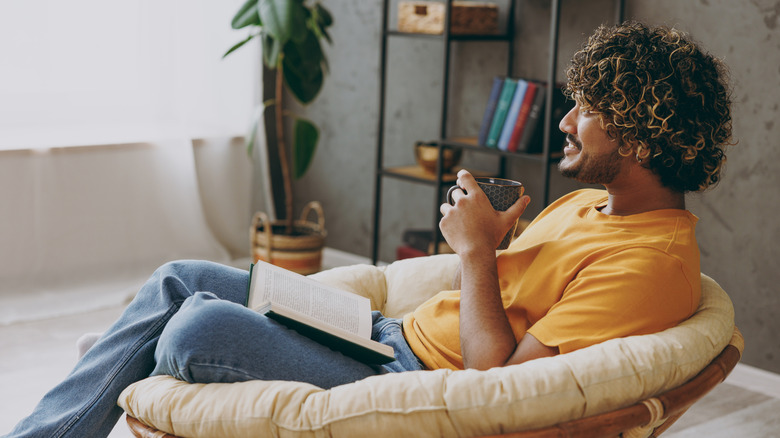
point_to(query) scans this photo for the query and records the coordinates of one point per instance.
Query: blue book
(504, 100)
(511, 115)
(490, 109)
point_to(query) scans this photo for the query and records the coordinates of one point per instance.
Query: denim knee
(175, 281)
(168, 283)
(191, 334)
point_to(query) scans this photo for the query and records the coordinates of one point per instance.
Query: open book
(335, 318)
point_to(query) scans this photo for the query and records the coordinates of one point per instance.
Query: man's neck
(640, 195)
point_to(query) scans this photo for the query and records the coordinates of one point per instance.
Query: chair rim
(673, 404)
(654, 415)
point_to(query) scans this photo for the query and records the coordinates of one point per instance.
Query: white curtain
(120, 146)
(84, 72)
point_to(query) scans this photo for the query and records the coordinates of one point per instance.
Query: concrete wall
(739, 232)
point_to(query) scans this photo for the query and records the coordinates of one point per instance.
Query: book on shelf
(528, 118)
(518, 116)
(335, 318)
(490, 110)
(531, 141)
(502, 108)
(422, 240)
(407, 252)
(403, 252)
(512, 115)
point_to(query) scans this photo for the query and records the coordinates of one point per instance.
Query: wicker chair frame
(649, 417)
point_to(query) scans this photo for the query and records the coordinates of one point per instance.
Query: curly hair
(660, 96)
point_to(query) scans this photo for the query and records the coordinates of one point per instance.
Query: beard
(593, 169)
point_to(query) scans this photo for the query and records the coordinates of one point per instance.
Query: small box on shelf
(468, 17)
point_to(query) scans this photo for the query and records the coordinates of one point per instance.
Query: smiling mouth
(572, 142)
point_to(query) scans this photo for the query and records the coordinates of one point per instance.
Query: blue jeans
(172, 328)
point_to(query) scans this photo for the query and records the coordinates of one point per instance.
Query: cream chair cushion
(535, 394)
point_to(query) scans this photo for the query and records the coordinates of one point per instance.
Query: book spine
(533, 121)
(512, 115)
(561, 106)
(490, 109)
(249, 285)
(418, 239)
(507, 92)
(407, 252)
(522, 117)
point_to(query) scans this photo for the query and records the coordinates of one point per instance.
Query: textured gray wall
(738, 232)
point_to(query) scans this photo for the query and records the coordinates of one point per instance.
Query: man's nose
(568, 123)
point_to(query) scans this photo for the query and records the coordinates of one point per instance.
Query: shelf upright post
(380, 135)
(443, 122)
(510, 67)
(446, 70)
(555, 18)
(620, 7)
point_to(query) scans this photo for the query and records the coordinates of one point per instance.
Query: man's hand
(474, 229)
(472, 224)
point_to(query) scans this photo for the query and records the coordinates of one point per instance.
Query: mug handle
(449, 194)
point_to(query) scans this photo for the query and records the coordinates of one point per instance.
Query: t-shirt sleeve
(633, 292)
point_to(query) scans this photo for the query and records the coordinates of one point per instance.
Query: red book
(522, 117)
(407, 252)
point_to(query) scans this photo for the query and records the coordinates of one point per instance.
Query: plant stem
(288, 195)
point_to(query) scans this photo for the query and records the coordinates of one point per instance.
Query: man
(650, 119)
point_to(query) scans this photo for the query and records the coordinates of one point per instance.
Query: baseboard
(755, 379)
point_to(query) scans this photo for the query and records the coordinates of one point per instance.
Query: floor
(36, 354)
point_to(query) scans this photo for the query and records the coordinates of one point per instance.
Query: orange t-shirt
(577, 277)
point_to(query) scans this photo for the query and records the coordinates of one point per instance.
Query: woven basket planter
(300, 252)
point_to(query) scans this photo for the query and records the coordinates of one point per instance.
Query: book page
(341, 309)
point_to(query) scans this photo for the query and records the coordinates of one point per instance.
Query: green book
(504, 100)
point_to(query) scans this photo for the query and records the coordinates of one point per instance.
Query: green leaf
(326, 35)
(282, 19)
(303, 67)
(299, 29)
(325, 19)
(304, 89)
(319, 21)
(239, 44)
(246, 16)
(271, 50)
(304, 59)
(305, 140)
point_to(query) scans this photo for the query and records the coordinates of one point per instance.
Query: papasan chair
(631, 387)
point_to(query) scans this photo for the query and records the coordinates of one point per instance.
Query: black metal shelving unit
(438, 179)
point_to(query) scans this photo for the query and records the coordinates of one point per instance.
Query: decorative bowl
(427, 154)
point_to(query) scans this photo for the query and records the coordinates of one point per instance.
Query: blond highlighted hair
(663, 98)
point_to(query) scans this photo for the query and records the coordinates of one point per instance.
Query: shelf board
(418, 174)
(453, 37)
(470, 143)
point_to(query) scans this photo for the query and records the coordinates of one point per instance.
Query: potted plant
(290, 32)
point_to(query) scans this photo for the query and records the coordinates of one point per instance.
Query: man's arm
(486, 338)
(473, 229)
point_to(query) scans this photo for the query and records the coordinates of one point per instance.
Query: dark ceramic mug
(501, 193)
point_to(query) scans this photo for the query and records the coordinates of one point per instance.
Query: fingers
(445, 208)
(454, 194)
(519, 206)
(466, 181)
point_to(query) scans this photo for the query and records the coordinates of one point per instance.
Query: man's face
(590, 155)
